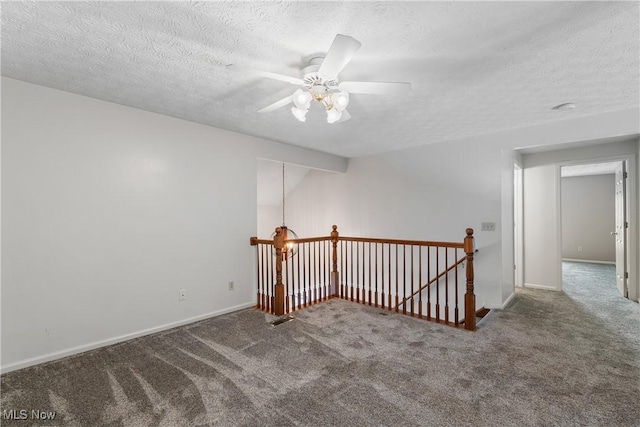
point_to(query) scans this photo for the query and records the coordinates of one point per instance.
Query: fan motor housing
(312, 79)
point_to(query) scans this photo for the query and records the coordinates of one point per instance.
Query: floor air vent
(282, 320)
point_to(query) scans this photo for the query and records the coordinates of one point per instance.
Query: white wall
(411, 194)
(541, 224)
(269, 217)
(588, 217)
(108, 211)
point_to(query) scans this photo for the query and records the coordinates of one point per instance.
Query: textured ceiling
(475, 67)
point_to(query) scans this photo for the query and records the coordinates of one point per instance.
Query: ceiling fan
(320, 83)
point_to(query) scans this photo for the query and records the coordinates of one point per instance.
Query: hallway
(593, 286)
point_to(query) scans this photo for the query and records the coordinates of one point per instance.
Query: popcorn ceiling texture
(475, 67)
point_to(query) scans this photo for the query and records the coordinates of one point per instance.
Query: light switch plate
(488, 226)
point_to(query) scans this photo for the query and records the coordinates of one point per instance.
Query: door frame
(518, 219)
(631, 195)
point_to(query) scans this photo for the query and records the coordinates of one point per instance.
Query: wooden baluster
(420, 281)
(348, 268)
(469, 297)
(369, 290)
(309, 280)
(389, 306)
(310, 271)
(397, 296)
(318, 271)
(313, 283)
(321, 283)
(382, 299)
(270, 272)
(292, 284)
(325, 267)
(286, 284)
(404, 277)
(304, 275)
(334, 278)
(253, 242)
(343, 258)
(358, 271)
(309, 274)
(412, 271)
(356, 260)
(299, 277)
(429, 280)
(376, 277)
(446, 286)
(456, 314)
(278, 243)
(265, 276)
(318, 284)
(438, 284)
(260, 276)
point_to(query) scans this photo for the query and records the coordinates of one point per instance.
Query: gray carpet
(549, 359)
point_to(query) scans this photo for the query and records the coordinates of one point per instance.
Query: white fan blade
(345, 116)
(277, 104)
(376, 88)
(340, 53)
(267, 74)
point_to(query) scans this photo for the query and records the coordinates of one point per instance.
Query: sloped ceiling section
(475, 67)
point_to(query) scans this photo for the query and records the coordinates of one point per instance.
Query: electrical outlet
(488, 226)
(231, 285)
(183, 294)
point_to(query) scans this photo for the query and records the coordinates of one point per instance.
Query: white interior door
(620, 232)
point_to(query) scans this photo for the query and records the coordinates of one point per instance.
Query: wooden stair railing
(432, 281)
(292, 279)
(366, 270)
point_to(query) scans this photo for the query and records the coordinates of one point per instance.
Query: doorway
(594, 217)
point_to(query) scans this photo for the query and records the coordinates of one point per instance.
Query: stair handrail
(438, 277)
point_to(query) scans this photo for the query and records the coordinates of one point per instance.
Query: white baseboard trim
(508, 301)
(103, 343)
(535, 286)
(589, 260)
(499, 306)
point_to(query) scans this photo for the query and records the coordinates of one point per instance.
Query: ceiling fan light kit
(320, 83)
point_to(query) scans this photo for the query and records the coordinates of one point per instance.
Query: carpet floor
(551, 358)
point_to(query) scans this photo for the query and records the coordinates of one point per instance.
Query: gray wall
(588, 217)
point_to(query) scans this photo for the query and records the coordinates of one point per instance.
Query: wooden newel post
(334, 257)
(469, 297)
(278, 292)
